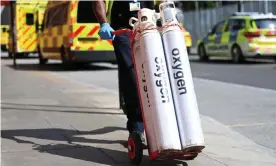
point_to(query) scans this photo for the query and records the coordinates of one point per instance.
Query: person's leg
(129, 89)
(121, 99)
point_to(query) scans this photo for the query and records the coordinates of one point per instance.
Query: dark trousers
(127, 81)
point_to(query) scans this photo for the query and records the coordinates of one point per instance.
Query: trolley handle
(121, 31)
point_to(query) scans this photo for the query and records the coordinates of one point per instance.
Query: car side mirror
(4, 29)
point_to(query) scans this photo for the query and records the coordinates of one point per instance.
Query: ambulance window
(266, 23)
(218, 28)
(235, 24)
(30, 19)
(57, 15)
(85, 12)
(252, 23)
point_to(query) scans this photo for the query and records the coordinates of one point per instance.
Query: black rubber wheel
(42, 61)
(274, 59)
(66, 63)
(10, 55)
(188, 50)
(135, 148)
(202, 53)
(62, 55)
(236, 53)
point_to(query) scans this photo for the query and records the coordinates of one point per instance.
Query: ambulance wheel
(202, 53)
(135, 148)
(188, 50)
(42, 61)
(10, 55)
(65, 62)
(237, 56)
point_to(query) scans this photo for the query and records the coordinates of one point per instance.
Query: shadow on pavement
(58, 108)
(59, 67)
(229, 62)
(76, 151)
(91, 154)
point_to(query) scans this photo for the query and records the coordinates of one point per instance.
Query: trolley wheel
(135, 148)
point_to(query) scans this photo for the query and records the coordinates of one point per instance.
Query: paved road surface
(250, 110)
(256, 120)
(259, 74)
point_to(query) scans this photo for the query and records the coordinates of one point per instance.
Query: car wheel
(66, 63)
(202, 53)
(236, 53)
(189, 50)
(42, 61)
(10, 55)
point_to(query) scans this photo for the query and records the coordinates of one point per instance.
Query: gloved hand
(106, 32)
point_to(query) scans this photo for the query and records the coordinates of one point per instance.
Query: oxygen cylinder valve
(168, 12)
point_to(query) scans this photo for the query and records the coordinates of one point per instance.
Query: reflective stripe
(92, 32)
(218, 38)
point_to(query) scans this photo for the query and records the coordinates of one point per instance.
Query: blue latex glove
(106, 32)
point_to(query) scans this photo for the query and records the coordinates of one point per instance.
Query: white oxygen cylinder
(163, 118)
(186, 107)
(139, 62)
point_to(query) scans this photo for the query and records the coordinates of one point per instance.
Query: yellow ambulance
(23, 36)
(4, 37)
(70, 34)
(188, 39)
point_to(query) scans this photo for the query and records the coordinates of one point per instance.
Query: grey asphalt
(257, 73)
(257, 118)
(248, 110)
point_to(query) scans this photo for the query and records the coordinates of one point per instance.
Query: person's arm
(99, 11)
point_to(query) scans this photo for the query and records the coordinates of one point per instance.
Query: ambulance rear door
(86, 28)
(26, 28)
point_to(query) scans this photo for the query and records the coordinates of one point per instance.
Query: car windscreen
(85, 12)
(266, 23)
